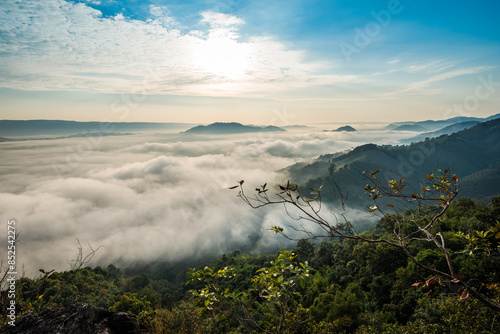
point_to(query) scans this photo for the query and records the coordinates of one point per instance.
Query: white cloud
(162, 15)
(419, 86)
(49, 45)
(429, 66)
(281, 146)
(221, 20)
(150, 200)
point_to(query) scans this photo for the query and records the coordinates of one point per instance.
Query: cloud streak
(419, 87)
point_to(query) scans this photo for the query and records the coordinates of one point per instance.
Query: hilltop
(431, 125)
(39, 127)
(347, 128)
(231, 128)
(444, 131)
(471, 154)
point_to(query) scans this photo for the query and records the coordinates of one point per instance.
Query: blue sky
(246, 61)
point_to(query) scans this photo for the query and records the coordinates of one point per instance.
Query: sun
(223, 57)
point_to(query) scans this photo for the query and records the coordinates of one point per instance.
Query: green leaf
(276, 229)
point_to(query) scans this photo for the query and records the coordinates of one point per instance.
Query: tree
(305, 250)
(439, 189)
(273, 293)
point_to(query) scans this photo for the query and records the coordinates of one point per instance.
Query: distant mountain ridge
(9, 128)
(410, 127)
(467, 153)
(431, 125)
(231, 128)
(444, 131)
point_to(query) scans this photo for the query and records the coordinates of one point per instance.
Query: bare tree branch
(440, 189)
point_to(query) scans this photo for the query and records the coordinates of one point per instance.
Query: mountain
(231, 128)
(469, 153)
(444, 131)
(21, 128)
(410, 127)
(431, 125)
(347, 128)
(295, 127)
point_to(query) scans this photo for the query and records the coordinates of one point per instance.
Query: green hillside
(464, 153)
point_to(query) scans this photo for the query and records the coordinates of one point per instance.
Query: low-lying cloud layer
(148, 197)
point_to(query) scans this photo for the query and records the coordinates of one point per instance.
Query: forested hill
(431, 125)
(231, 128)
(472, 154)
(444, 131)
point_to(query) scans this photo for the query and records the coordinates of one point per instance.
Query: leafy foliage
(333, 286)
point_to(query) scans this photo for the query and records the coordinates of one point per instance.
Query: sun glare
(223, 57)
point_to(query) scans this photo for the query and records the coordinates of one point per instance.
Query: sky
(204, 61)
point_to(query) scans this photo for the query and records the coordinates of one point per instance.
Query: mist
(152, 196)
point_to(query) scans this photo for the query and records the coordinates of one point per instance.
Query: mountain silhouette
(231, 128)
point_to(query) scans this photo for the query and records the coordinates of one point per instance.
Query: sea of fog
(152, 196)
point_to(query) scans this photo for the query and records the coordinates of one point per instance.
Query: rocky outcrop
(77, 319)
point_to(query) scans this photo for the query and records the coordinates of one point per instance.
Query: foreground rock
(77, 319)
